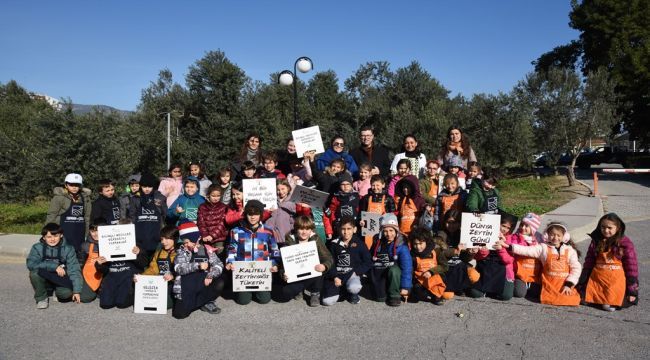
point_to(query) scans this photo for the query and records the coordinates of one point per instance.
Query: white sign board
(480, 231)
(150, 295)
(371, 226)
(263, 190)
(300, 260)
(251, 276)
(308, 139)
(311, 197)
(116, 242)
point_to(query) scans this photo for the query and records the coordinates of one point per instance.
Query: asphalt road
(489, 329)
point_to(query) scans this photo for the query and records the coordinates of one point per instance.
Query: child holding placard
(90, 255)
(495, 266)
(351, 260)
(527, 270)
(252, 241)
(429, 265)
(610, 273)
(392, 263)
(303, 231)
(377, 201)
(162, 262)
(560, 266)
(116, 289)
(198, 274)
(53, 265)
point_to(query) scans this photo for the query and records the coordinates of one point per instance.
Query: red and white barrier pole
(627, 171)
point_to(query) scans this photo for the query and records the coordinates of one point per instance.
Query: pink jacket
(391, 185)
(171, 188)
(540, 252)
(506, 259)
(362, 187)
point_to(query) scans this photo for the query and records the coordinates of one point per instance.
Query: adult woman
(457, 144)
(172, 186)
(337, 151)
(252, 149)
(410, 151)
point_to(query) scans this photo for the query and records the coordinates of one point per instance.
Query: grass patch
(23, 219)
(523, 195)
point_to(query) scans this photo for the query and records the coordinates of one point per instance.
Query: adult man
(372, 153)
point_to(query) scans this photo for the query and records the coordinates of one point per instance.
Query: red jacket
(212, 221)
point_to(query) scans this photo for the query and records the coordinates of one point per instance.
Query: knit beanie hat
(187, 229)
(148, 180)
(135, 179)
(345, 177)
(387, 220)
(455, 161)
(533, 220)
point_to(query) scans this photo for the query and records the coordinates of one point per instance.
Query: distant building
(55, 103)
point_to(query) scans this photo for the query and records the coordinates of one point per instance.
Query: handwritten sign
(251, 276)
(299, 261)
(479, 231)
(308, 139)
(263, 190)
(150, 295)
(371, 226)
(311, 197)
(116, 242)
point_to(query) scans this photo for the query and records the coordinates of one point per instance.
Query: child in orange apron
(377, 201)
(560, 266)
(410, 203)
(429, 264)
(610, 274)
(451, 197)
(89, 256)
(527, 270)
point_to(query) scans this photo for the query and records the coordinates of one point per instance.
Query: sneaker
(43, 304)
(438, 301)
(608, 308)
(394, 301)
(298, 296)
(354, 299)
(211, 308)
(314, 299)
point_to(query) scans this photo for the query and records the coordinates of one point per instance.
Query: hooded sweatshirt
(189, 203)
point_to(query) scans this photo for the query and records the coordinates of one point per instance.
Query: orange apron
(433, 190)
(448, 203)
(407, 216)
(434, 284)
(92, 277)
(528, 269)
(375, 208)
(556, 270)
(606, 283)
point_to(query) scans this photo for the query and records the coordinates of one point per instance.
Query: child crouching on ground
(53, 265)
(303, 231)
(351, 260)
(527, 270)
(429, 264)
(392, 264)
(560, 266)
(162, 262)
(198, 274)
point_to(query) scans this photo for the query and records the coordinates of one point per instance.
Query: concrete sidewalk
(581, 216)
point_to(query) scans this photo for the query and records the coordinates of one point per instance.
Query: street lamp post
(286, 77)
(169, 137)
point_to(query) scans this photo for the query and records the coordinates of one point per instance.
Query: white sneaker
(43, 304)
(608, 308)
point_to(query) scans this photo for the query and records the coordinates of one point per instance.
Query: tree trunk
(570, 174)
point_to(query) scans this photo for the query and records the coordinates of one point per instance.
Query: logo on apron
(148, 212)
(191, 213)
(77, 210)
(343, 260)
(116, 213)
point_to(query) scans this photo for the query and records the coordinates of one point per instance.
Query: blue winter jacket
(397, 252)
(190, 204)
(324, 161)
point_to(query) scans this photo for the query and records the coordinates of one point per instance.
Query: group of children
(192, 230)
